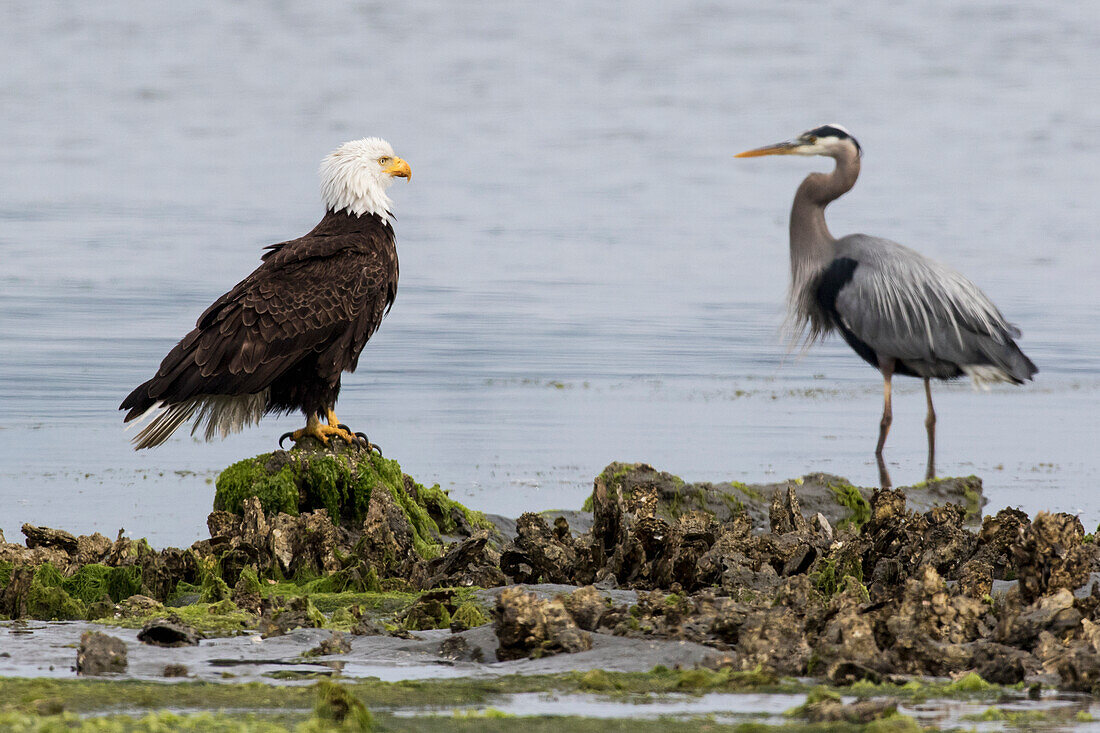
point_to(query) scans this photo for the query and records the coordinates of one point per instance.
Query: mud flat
(333, 583)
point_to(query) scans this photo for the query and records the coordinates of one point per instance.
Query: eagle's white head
(355, 176)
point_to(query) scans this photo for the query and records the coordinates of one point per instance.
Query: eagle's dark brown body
(280, 339)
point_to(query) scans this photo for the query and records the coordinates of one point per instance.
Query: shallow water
(587, 274)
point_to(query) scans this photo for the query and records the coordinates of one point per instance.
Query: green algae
(969, 687)
(312, 708)
(211, 619)
(278, 493)
(338, 707)
(48, 600)
(969, 684)
(95, 581)
(54, 604)
(461, 721)
(832, 574)
(854, 501)
(469, 615)
(90, 696)
(441, 509)
(746, 490)
(157, 722)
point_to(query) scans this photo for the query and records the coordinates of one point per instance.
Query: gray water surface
(587, 274)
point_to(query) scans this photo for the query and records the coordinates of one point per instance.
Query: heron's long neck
(812, 245)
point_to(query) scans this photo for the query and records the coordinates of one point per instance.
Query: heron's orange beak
(399, 169)
(784, 148)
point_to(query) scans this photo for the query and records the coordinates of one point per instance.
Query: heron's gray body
(900, 311)
(886, 300)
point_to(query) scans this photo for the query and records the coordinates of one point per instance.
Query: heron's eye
(383, 160)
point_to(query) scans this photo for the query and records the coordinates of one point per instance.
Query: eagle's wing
(315, 297)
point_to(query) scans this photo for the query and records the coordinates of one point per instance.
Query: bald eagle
(280, 339)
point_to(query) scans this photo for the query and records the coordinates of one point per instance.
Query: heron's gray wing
(916, 310)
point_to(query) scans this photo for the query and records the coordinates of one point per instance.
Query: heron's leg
(930, 425)
(887, 368)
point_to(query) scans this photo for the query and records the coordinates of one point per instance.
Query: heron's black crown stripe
(830, 131)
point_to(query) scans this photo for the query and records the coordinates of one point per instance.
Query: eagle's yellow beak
(789, 147)
(399, 168)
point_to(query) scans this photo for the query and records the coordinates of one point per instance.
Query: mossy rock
(341, 482)
(301, 480)
(47, 600)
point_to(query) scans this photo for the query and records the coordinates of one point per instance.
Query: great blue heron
(900, 311)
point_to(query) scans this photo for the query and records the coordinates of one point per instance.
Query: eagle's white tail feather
(222, 415)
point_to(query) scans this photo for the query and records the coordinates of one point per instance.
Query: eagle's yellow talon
(321, 433)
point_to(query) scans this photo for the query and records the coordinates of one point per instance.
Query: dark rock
(1021, 627)
(1051, 555)
(528, 626)
(1001, 664)
(843, 674)
(785, 514)
(46, 537)
(472, 562)
(138, 605)
(100, 654)
(335, 644)
(91, 548)
(282, 615)
(996, 538)
(432, 610)
(175, 670)
(587, 606)
(832, 710)
(170, 632)
(536, 553)
(928, 631)
(368, 627)
(387, 541)
(457, 648)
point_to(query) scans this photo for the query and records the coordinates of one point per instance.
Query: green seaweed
(337, 706)
(969, 684)
(854, 501)
(247, 478)
(223, 618)
(46, 598)
(95, 581)
(832, 574)
(441, 509)
(52, 603)
(469, 615)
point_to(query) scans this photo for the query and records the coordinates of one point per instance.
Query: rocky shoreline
(807, 578)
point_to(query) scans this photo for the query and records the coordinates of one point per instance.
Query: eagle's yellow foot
(361, 438)
(321, 433)
(325, 433)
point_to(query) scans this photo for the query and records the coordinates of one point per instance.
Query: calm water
(587, 273)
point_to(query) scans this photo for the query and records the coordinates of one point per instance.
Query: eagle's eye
(383, 160)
